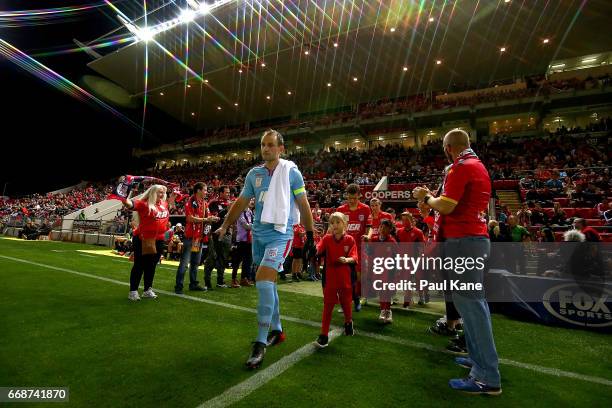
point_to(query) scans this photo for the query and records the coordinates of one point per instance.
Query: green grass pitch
(58, 328)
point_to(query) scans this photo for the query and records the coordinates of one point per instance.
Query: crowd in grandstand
(534, 86)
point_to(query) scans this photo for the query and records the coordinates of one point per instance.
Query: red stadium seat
(563, 201)
(570, 212)
(586, 212)
(505, 184)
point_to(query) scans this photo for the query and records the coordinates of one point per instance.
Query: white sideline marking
(88, 256)
(537, 368)
(243, 389)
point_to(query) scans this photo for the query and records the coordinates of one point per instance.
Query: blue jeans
(193, 258)
(474, 309)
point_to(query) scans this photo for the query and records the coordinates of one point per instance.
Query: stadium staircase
(511, 198)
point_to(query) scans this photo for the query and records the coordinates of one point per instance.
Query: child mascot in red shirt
(339, 251)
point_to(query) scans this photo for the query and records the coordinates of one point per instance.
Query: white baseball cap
(178, 224)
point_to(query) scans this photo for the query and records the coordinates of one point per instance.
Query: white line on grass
(243, 389)
(537, 368)
(87, 256)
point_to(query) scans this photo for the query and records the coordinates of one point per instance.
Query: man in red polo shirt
(195, 214)
(589, 232)
(358, 226)
(464, 199)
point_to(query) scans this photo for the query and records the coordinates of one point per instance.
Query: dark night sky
(49, 139)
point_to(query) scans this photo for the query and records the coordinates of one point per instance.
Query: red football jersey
(358, 220)
(153, 224)
(375, 222)
(410, 234)
(337, 275)
(299, 236)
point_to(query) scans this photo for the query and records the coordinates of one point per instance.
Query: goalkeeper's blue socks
(276, 323)
(265, 308)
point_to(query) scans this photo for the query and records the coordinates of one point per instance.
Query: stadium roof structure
(231, 62)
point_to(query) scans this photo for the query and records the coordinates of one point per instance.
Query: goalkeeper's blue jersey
(256, 185)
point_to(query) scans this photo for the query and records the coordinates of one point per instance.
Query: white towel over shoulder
(277, 202)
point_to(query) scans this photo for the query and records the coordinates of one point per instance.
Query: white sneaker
(388, 316)
(133, 296)
(149, 294)
(382, 316)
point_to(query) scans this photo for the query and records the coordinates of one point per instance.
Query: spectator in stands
(30, 231)
(196, 216)
(518, 235)
(503, 214)
(590, 234)
(554, 183)
(558, 216)
(218, 247)
(527, 183)
(585, 261)
(495, 234)
(546, 234)
(175, 243)
(523, 216)
(538, 216)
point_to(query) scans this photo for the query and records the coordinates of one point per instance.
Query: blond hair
(338, 216)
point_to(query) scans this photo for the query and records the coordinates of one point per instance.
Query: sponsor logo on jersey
(258, 181)
(354, 226)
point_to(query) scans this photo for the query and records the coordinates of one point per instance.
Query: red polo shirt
(468, 185)
(195, 208)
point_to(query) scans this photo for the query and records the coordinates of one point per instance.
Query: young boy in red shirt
(340, 252)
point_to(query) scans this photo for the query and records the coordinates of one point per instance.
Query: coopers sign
(386, 195)
(580, 304)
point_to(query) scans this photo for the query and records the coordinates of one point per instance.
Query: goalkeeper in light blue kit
(279, 192)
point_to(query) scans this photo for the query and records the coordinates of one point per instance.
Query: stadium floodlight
(187, 16)
(588, 60)
(146, 34)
